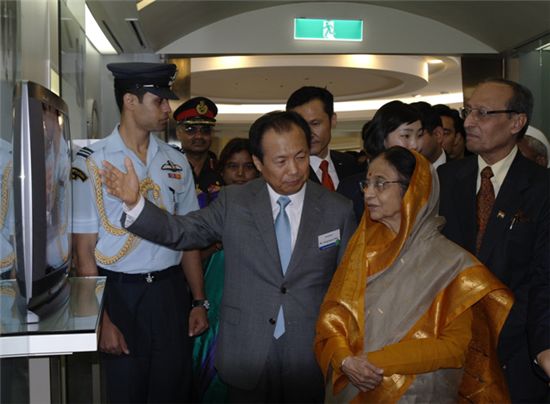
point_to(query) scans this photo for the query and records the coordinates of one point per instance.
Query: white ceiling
(194, 29)
(501, 25)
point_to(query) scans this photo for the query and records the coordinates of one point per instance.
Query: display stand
(72, 328)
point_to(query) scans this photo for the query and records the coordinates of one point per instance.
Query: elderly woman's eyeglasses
(378, 184)
(482, 113)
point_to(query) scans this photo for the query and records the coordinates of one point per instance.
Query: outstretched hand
(124, 186)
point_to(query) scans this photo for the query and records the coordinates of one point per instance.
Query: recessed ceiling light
(96, 35)
(435, 61)
(140, 5)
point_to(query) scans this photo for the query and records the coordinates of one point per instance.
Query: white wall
(38, 47)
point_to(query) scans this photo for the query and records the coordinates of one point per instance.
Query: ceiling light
(143, 3)
(546, 46)
(342, 106)
(435, 61)
(96, 36)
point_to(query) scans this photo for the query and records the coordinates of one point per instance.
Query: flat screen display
(42, 210)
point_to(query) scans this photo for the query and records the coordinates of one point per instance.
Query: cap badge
(202, 108)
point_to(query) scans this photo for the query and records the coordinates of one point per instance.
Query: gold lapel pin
(501, 214)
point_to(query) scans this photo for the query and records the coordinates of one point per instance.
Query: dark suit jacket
(344, 163)
(254, 286)
(350, 188)
(515, 248)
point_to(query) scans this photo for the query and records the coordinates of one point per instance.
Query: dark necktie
(284, 242)
(485, 202)
(325, 177)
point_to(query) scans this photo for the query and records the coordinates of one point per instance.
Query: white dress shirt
(132, 214)
(293, 210)
(315, 163)
(500, 169)
(442, 159)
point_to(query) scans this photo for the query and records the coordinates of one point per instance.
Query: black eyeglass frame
(482, 113)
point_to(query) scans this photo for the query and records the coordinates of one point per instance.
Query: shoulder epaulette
(85, 152)
(173, 146)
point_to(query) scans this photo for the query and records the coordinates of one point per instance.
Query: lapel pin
(501, 214)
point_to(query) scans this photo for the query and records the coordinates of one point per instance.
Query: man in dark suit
(512, 238)
(272, 291)
(316, 106)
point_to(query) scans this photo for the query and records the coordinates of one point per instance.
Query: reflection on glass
(7, 253)
(57, 188)
(79, 314)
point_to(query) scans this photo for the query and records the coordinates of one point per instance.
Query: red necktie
(485, 202)
(325, 178)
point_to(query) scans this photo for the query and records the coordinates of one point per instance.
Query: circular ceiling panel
(271, 79)
(275, 84)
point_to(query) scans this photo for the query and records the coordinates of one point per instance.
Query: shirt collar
(315, 161)
(442, 159)
(115, 143)
(500, 168)
(297, 198)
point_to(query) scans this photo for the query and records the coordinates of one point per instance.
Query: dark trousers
(284, 379)
(153, 317)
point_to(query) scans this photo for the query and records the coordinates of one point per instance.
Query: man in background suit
(432, 134)
(263, 291)
(316, 106)
(514, 244)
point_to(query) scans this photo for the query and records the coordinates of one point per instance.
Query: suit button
(283, 289)
(272, 321)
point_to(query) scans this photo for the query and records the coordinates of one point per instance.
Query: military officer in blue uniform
(196, 119)
(146, 320)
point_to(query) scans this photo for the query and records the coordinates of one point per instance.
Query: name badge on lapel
(330, 239)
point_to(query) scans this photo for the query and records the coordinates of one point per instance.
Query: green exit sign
(328, 30)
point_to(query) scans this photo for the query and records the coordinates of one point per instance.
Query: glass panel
(14, 372)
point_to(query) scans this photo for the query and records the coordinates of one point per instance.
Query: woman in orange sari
(409, 316)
